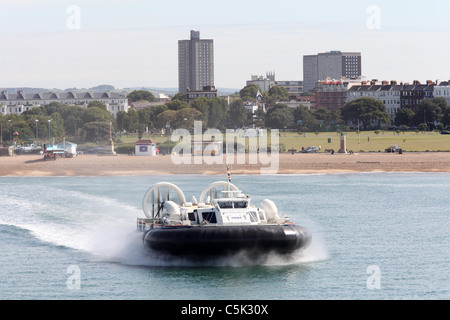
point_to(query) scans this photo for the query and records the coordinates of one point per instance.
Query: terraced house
(389, 93)
(396, 96)
(19, 102)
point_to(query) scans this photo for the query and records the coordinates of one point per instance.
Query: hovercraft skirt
(222, 240)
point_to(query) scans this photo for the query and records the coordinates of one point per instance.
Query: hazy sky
(129, 43)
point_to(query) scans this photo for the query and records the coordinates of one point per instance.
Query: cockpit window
(209, 216)
(233, 204)
(240, 204)
(225, 204)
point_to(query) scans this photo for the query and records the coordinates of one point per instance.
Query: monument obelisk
(109, 148)
(343, 148)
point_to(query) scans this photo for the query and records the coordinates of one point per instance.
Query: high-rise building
(333, 64)
(195, 63)
(310, 72)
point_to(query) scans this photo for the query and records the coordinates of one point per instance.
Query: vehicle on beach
(62, 150)
(311, 149)
(222, 222)
(26, 149)
(393, 149)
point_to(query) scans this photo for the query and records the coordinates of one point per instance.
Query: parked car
(311, 149)
(393, 149)
(445, 132)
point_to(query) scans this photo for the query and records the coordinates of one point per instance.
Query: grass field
(367, 141)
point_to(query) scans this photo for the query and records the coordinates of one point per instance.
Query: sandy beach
(95, 165)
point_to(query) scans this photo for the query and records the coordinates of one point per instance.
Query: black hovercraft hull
(223, 240)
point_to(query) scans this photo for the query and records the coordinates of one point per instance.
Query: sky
(134, 43)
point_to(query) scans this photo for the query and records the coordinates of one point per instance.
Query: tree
(57, 126)
(34, 112)
(96, 131)
(323, 114)
(258, 119)
(131, 121)
(144, 116)
(430, 111)
(249, 92)
(201, 104)
(217, 112)
(185, 118)
(143, 121)
(176, 105)
(306, 116)
(280, 117)
(180, 96)
(238, 114)
(20, 126)
(155, 110)
(139, 95)
(72, 117)
(96, 114)
(165, 118)
(97, 104)
(120, 120)
(52, 107)
(366, 110)
(446, 116)
(277, 93)
(404, 116)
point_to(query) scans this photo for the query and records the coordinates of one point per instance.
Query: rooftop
(20, 95)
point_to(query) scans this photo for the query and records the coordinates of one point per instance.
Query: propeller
(159, 192)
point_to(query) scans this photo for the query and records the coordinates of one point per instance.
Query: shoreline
(321, 163)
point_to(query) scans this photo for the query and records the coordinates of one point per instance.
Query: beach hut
(145, 148)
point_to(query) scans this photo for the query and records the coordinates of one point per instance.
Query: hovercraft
(222, 222)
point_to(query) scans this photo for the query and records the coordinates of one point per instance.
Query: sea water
(375, 236)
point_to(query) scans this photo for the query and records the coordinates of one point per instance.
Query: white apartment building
(294, 87)
(19, 102)
(388, 93)
(264, 83)
(442, 90)
(390, 96)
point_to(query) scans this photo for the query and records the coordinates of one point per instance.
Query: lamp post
(359, 140)
(425, 118)
(10, 134)
(49, 130)
(37, 121)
